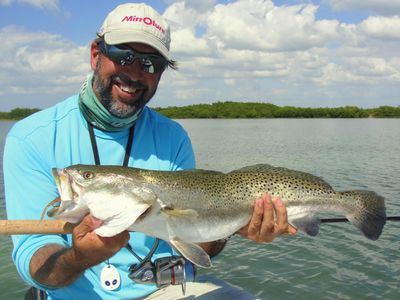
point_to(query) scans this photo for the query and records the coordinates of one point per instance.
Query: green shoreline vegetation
(17, 113)
(248, 110)
(234, 110)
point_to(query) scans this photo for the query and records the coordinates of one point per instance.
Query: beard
(119, 109)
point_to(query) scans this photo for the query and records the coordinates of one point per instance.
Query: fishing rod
(8, 227)
(343, 220)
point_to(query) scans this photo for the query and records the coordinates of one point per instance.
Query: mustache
(125, 80)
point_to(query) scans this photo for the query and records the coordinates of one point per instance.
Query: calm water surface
(337, 264)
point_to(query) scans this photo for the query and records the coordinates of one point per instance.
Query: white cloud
(43, 4)
(373, 67)
(230, 82)
(245, 50)
(200, 6)
(333, 74)
(385, 7)
(253, 47)
(38, 62)
(259, 25)
(383, 28)
(185, 42)
(184, 24)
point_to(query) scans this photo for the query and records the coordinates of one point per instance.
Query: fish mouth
(64, 184)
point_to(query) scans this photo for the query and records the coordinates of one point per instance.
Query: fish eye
(87, 175)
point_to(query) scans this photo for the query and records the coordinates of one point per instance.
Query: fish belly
(190, 229)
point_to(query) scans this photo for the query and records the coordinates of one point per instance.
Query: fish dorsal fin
(268, 169)
(192, 252)
(201, 171)
(255, 168)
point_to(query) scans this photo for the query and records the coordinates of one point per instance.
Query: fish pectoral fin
(192, 252)
(116, 218)
(308, 224)
(177, 212)
(121, 221)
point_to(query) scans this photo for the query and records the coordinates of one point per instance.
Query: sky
(315, 53)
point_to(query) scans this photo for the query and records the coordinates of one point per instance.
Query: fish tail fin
(367, 212)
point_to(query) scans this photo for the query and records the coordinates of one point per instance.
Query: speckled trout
(194, 206)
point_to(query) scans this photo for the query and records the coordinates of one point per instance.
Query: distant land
(17, 113)
(236, 110)
(250, 110)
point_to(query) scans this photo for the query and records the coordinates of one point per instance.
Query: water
(337, 264)
(11, 286)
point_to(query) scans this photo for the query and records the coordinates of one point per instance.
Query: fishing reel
(163, 272)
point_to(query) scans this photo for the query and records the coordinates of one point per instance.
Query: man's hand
(90, 249)
(56, 266)
(263, 227)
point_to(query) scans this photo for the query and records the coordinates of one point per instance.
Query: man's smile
(127, 90)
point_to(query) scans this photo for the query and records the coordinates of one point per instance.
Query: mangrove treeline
(17, 113)
(266, 110)
(233, 110)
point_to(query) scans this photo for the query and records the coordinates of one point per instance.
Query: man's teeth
(127, 89)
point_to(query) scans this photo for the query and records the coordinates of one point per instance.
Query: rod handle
(9, 227)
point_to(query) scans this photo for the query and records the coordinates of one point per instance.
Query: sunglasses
(124, 56)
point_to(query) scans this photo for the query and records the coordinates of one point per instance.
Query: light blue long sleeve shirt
(58, 137)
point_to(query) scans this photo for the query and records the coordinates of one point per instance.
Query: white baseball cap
(137, 22)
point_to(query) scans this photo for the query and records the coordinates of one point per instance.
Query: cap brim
(131, 36)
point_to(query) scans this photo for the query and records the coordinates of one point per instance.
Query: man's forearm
(55, 266)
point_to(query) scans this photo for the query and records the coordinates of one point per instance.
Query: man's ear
(94, 55)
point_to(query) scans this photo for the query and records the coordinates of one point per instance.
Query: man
(106, 123)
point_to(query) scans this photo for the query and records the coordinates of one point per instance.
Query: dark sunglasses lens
(153, 63)
(123, 55)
